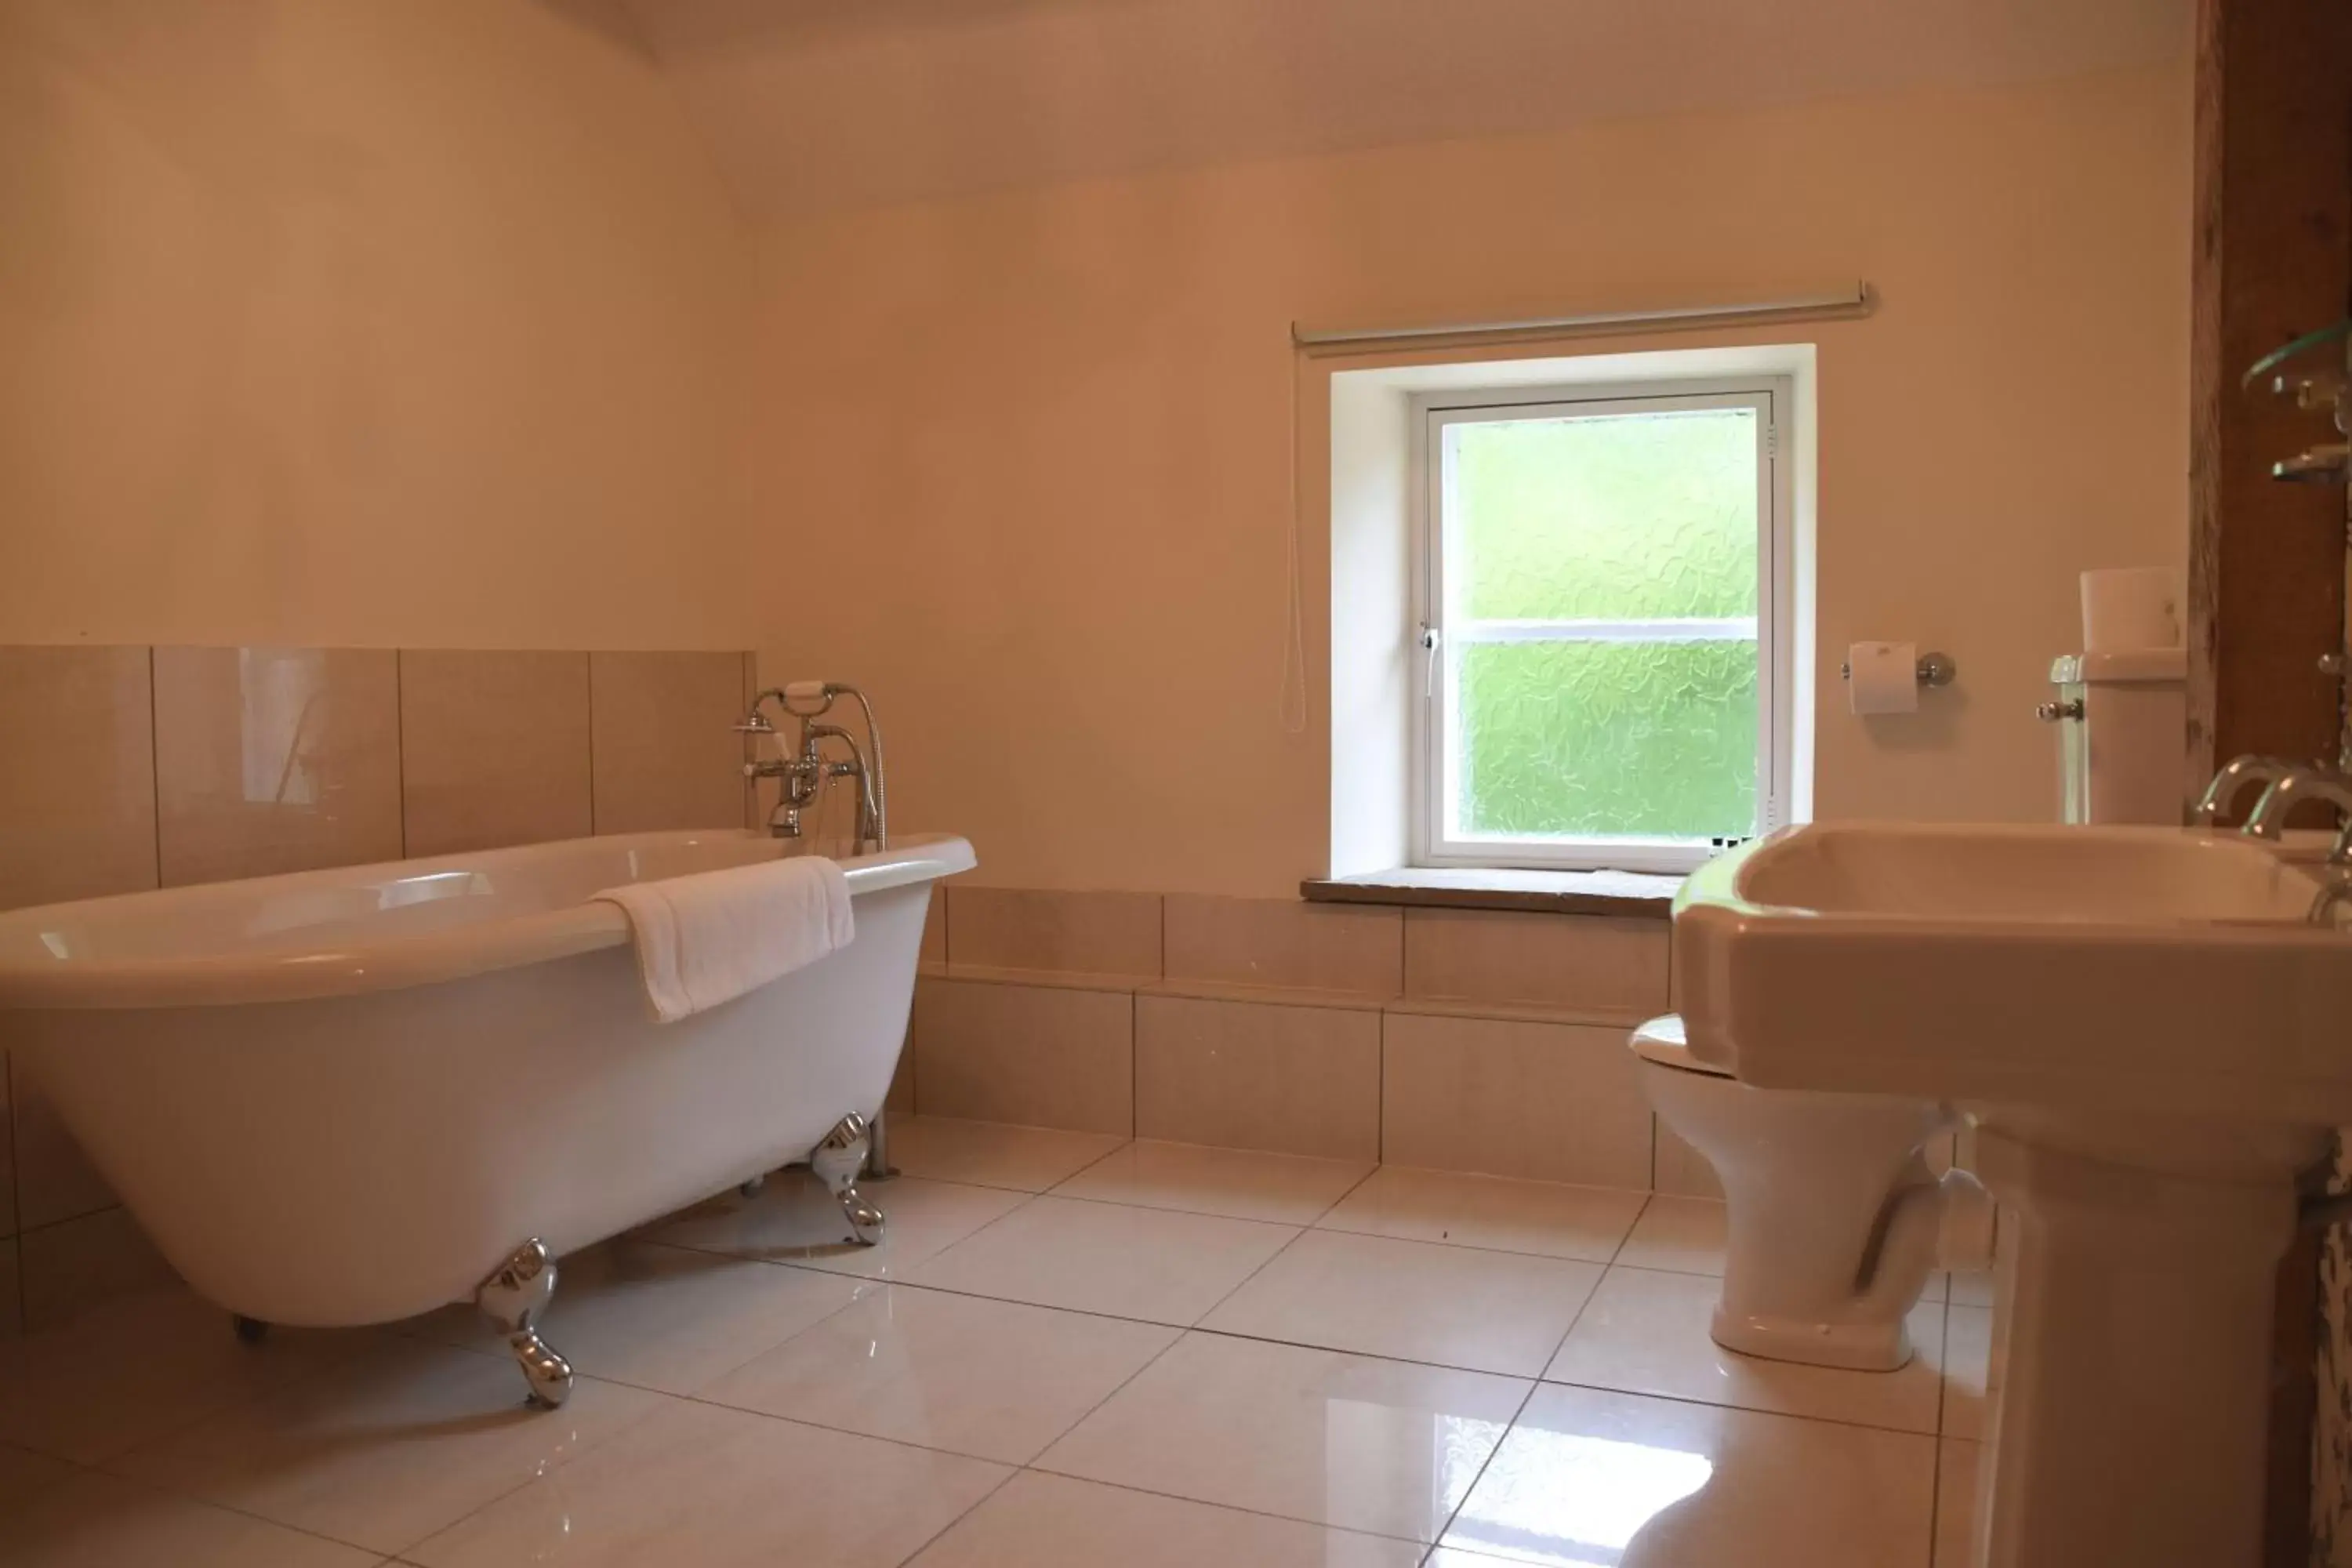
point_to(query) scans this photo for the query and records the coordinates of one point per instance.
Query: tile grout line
(588, 690)
(400, 740)
(167, 1490)
(1943, 1413)
(1196, 1328)
(1227, 1507)
(1535, 1386)
(154, 767)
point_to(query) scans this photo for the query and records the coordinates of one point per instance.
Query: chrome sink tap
(2290, 789)
(2268, 821)
(2232, 782)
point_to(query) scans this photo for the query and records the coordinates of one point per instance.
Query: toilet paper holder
(1935, 669)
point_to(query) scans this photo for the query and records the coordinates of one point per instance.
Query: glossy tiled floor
(1071, 1350)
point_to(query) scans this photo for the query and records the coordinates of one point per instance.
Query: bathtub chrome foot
(752, 1188)
(514, 1298)
(838, 1160)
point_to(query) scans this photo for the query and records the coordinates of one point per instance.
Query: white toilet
(1836, 1219)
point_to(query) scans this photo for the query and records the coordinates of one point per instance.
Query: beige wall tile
(55, 1181)
(934, 929)
(12, 1321)
(1680, 1169)
(77, 774)
(7, 1153)
(1060, 932)
(900, 1100)
(1285, 942)
(71, 1268)
(1557, 1102)
(1244, 1074)
(665, 748)
(1562, 961)
(275, 759)
(493, 749)
(1037, 1055)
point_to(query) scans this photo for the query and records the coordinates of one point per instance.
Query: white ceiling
(813, 105)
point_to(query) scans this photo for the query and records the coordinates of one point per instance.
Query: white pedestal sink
(2155, 1044)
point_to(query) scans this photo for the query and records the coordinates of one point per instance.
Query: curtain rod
(1835, 305)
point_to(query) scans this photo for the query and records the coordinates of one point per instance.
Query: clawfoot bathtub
(348, 1097)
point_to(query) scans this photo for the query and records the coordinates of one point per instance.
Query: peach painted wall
(1041, 439)
(345, 323)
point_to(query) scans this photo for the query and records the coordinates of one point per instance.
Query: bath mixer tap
(806, 769)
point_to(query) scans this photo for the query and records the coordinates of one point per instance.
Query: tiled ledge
(1501, 1011)
(1051, 979)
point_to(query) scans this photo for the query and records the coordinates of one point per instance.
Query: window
(1600, 595)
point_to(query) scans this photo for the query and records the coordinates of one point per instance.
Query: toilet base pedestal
(2133, 1411)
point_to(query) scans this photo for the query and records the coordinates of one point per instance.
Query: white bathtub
(346, 1097)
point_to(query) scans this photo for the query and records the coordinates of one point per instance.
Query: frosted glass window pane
(1616, 516)
(1595, 740)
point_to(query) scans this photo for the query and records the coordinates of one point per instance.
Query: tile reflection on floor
(1071, 1350)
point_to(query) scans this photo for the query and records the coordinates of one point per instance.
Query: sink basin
(2154, 1044)
(2161, 971)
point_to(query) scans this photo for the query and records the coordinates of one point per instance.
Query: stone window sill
(1621, 893)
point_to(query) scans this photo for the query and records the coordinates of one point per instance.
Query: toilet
(1835, 1218)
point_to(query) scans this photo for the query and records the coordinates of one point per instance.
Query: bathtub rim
(295, 975)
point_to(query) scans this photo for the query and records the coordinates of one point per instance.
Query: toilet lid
(1661, 1040)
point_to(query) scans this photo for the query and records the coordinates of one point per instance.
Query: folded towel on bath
(710, 938)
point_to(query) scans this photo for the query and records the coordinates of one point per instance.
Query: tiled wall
(1458, 1040)
(128, 768)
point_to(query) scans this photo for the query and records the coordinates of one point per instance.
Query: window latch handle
(1431, 639)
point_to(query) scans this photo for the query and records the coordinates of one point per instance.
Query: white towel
(710, 938)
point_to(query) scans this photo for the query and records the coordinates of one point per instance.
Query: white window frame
(1439, 645)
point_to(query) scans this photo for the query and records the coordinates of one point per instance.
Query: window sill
(1622, 893)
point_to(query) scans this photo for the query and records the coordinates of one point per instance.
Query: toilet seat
(1662, 1041)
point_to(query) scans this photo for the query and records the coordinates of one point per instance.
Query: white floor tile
(1239, 1184)
(1956, 1477)
(1052, 1521)
(1680, 1235)
(1375, 1446)
(1975, 1288)
(992, 1153)
(796, 1220)
(53, 1515)
(1969, 1389)
(385, 1451)
(996, 1380)
(723, 1489)
(1414, 1300)
(1497, 1211)
(1126, 1262)
(1646, 1332)
(1589, 1478)
(143, 1367)
(668, 1317)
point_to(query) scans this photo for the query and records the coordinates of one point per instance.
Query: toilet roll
(1883, 676)
(2130, 608)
